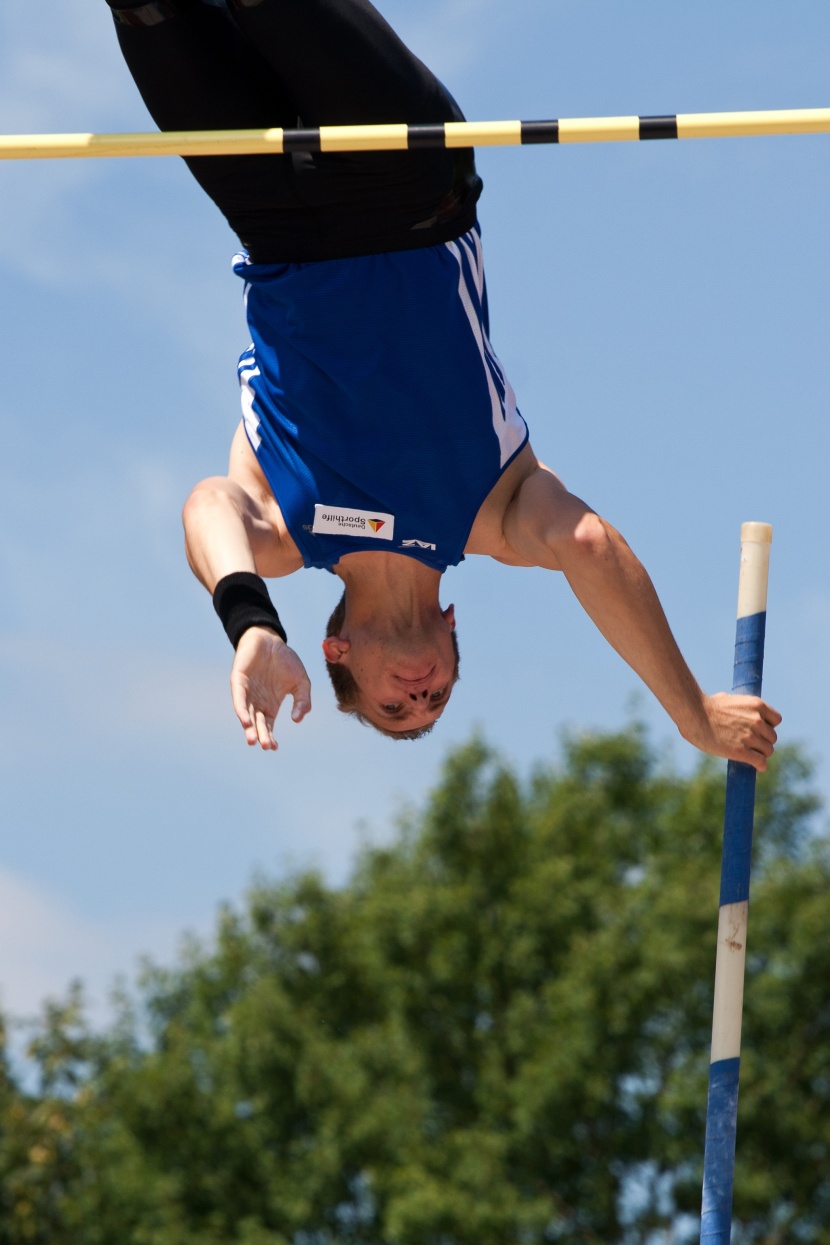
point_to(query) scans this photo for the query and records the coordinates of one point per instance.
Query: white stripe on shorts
(508, 425)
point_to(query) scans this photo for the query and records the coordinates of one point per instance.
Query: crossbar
(352, 138)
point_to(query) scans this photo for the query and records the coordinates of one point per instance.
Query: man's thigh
(341, 62)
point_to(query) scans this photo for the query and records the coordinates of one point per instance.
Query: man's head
(396, 681)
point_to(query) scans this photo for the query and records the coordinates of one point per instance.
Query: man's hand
(740, 728)
(265, 671)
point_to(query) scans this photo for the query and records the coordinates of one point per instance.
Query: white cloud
(45, 944)
(106, 698)
(59, 72)
(60, 68)
(71, 222)
(145, 259)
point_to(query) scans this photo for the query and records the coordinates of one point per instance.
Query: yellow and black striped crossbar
(345, 138)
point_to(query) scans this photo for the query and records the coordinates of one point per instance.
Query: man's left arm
(547, 526)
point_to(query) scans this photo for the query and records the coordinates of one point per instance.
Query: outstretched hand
(265, 671)
(740, 728)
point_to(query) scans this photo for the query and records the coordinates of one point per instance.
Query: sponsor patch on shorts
(336, 521)
(417, 544)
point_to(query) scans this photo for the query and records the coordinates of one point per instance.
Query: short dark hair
(347, 693)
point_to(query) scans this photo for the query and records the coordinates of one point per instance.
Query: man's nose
(416, 696)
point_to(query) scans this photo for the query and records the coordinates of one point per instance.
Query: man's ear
(335, 649)
(449, 616)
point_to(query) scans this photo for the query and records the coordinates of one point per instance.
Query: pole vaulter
(380, 438)
(399, 137)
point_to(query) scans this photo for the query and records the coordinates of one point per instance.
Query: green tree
(498, 1031)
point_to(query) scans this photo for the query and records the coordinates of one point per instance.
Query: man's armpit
(512, 559)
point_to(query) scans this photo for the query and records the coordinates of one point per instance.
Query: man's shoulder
(487, 535)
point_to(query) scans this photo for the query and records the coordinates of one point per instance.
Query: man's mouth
(421, 678)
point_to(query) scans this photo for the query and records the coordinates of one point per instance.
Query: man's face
(406, 701)
(404, 681)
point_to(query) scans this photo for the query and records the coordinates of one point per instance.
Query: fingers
(257, 725)
(302, 700)
(753, 704)
(763, 736)
(243, 710)
(758, 760)
(759, 746)
(262, 675)
(263, 730)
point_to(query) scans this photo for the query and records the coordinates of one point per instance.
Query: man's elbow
(198, 518)
(591, 541)
(591, 536)
(203, 499)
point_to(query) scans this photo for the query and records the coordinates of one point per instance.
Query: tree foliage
(497, 1031)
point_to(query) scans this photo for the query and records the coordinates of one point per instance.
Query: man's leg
(196, 71)
(318, 61)
(342, 63)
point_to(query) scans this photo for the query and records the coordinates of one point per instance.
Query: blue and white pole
(724, 1070)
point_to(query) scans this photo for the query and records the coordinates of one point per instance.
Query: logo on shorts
(338, 521)
(417, 544)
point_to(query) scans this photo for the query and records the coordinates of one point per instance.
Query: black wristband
(241, 600)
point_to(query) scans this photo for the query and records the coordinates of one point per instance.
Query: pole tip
(756, 533)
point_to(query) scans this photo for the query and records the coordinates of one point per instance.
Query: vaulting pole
(724, 1070)
(417, 137)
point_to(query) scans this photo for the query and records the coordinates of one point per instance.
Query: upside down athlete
(380, 438)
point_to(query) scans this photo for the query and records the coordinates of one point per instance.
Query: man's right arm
(228, 531)
(222, 528)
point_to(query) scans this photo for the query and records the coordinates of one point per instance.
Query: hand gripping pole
(724, 1070)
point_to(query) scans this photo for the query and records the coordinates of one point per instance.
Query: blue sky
(662, 312)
